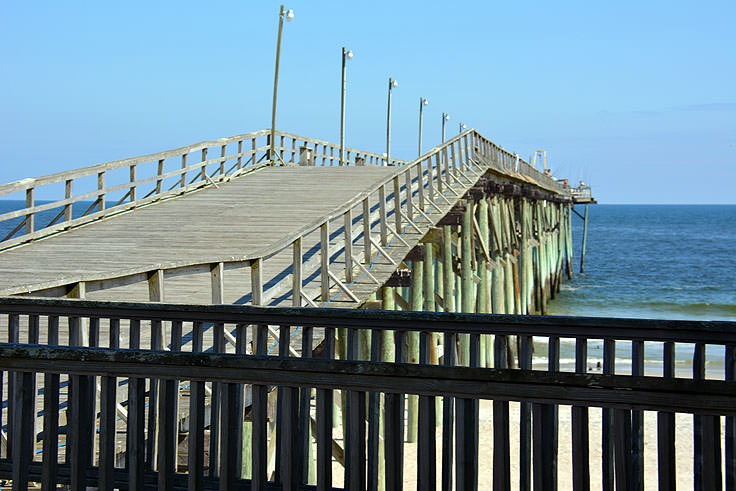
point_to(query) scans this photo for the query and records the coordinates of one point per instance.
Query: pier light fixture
(289, 15)
(462, 127)
(346, 55)
(392, 84)
(422, 102)
(445, 119)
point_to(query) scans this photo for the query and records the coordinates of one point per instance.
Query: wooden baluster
(430, 180)
(135, 442)
(101, 191)
(374, 417)
(287, 422)
(448, 413)
(394, 423)
(666, 464)
(29, 215)
(544, 427)
(501, 457)
(108, 397)
(397, 205)
(427, 443)
(420, 186)
(183, 179)
(253, 149)
(324, 421)
(367, 232)
(637, 420)
(51, 415)
(580, 437)
(324, 252)
(525, 435)
(203, 167)
(239, 162)
(409, 197)
(132, 197)
(260, 392)
(305, 459)
(383, 217)
(707, 443)
(159, 173)
(68, 184)
(466, 435)
(438, 171)
(296, 273)
(355, 433)
(22, 432)
(607, 440)
(348, 236)
(293, 150)
(195, 453)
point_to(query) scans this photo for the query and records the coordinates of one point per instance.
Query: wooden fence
(200, 399)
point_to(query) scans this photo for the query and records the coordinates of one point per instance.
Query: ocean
(654, 261)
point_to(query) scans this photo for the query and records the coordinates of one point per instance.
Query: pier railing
(182, 409)
(97, 191)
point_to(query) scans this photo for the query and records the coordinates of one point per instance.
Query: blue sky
(637, 98)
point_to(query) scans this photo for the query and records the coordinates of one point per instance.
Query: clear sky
(637, 98)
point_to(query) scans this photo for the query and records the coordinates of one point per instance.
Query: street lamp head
(289, 15)
(447, 117)
(425, 102)
(394, 83)
(349, 54)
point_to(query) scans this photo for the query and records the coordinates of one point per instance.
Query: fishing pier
(220, 316)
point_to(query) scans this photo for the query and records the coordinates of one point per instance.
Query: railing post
(183, 179)
(29, 216)
(101, 191)
(296, 273)
(217, 280)
(240, 155)
(223, 152)
(383, 216)
(203, 168)
(68, 196)
(409, 197)
(440, 184)
(367, 256)
(348, 233)
(160, 172)
(132, 183)
(420, 186)
(324, 252)
(397, 204)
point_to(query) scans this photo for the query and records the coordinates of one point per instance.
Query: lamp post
(289, 15)
(346, 55)
(445, 118)
(392, 84)
(462, 127)
(422, 102)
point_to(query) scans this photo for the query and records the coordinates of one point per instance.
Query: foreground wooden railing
(123, 407)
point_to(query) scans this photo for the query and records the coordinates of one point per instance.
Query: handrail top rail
(682, 331)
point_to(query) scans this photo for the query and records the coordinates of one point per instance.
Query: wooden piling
(585, 239)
